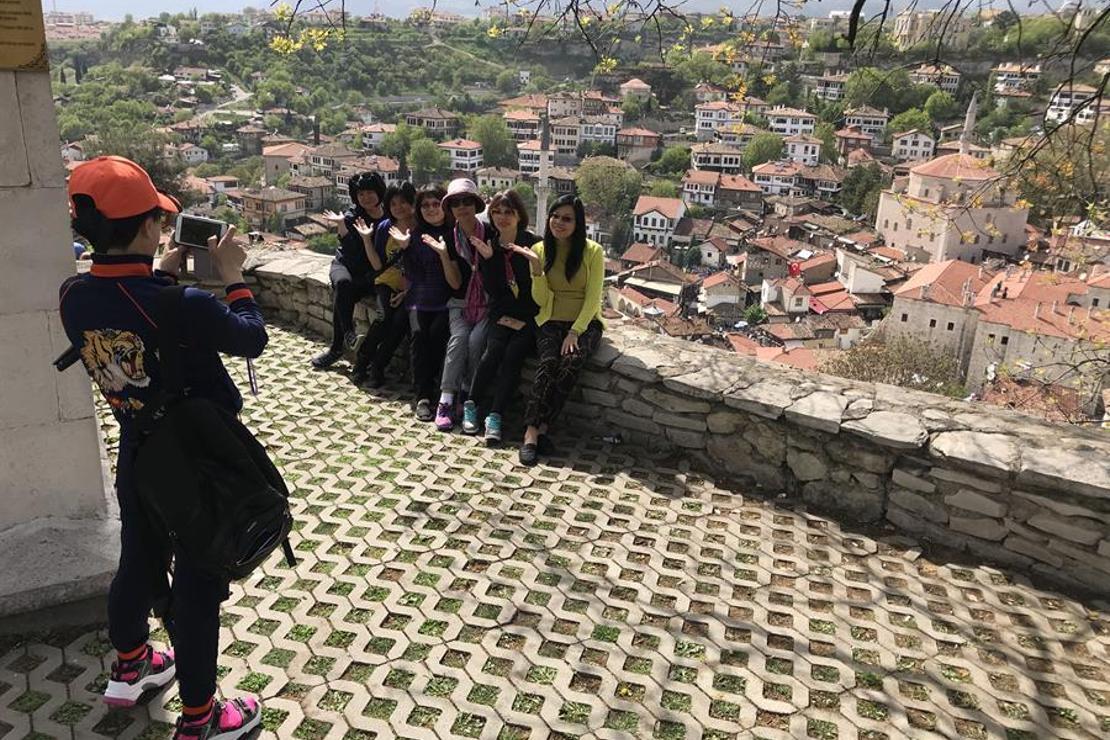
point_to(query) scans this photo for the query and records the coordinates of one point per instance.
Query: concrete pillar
(57, 540)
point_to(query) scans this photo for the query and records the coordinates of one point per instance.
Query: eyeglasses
(561, 219)
(432, 204)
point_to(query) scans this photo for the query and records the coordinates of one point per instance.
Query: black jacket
(502, 301)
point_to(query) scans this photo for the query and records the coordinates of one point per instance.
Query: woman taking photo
(467, 307)
(567, 273)
(431, 269)
(352, 277)
(512, 316)
(385, 252)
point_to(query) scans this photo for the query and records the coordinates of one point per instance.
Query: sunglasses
(433, 204)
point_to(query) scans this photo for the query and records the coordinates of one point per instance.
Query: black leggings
(498, 374)
(386, 333)
(430, 331)
(140, 582)
(557, 373)
(348, 289)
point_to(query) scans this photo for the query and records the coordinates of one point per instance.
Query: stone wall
(1007, 488)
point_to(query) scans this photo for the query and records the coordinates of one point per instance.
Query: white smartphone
(193, 231)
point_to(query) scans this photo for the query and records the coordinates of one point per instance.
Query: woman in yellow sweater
(567, 274)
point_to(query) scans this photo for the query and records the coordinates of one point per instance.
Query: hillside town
(791, 226)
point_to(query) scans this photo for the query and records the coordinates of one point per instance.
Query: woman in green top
(567, 274)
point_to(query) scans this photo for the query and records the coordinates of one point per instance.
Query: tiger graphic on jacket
(115, 361)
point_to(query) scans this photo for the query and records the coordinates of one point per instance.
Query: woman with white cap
(468, 307)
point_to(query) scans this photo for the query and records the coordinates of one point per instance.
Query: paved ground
(445, 592)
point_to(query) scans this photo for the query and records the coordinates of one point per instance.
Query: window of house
(990, 339)
(1094, 302)
(951, 326)
(932, 323)
(1005, 341)
(905, 317)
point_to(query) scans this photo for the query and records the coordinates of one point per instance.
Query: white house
(1068, 97)
(374, 134)
(1010, 76)
(943, 76)
(528, 157)
(717, 157)
(786, 121)
(496, 178)
(654, 219)
(721, 288)
(830, 87)
(776, 178)
(867, 119)
(913, 145)
(636, 89)
(466, 155)
(803, 149)
(708, 117)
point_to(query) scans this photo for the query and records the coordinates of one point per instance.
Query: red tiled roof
(780, 245)
(1037, 303)
(719, 278)
(944, 282)
(669, 207)
(742, 345)
(460, 144)
(635, 296)
(952, 166)
(643, 253)
(740, 183)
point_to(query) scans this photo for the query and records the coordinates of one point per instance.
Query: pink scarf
(475, 309)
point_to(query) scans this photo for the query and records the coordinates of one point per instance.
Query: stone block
(906, 520)
(674, 403)
(867, 480)
(907, 480)
(39, 484)
(15, 168)
(1033, 550)
(981, 527)
(991, 454)
(1081, 472)
(1074, 529)
(724, 422)
(628, 421)
(628, 387)
(875, 460)
(605, 354)
(965, 479)
(805, 465)
(691, 423)
(769, 440)
(890, 429)
(687, 439)
(641, 364)
(1087, 557)
(34, 218)
(601, 398)
(969, 500)
(820, 410)
(637, 407)
(594, 379)
(766, 398)
(40, 128)
(855, 504)
(1104, 548)
(1062, 508)
(707, 383)
(920, 505)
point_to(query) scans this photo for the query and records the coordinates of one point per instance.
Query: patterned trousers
(557, 373)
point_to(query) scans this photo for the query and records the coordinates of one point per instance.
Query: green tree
(664, 189)
(633, 109)
(398, 143)
(674, 161)
(860, 192)
(909, 119)
(498, 146)
(826, 132)
(884, 88)
(764, 147)
(506, 81)
(427, 161)
(144, 146)
(941, 106)
(755, 315)
(610, 183)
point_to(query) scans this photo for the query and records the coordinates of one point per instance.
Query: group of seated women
(476, 292)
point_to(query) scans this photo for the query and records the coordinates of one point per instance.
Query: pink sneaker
(130, 679)
(445, 421)
(227, 720)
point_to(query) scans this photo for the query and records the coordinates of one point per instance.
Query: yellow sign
(22, 35)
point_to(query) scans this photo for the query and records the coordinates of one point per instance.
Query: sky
(116, 9)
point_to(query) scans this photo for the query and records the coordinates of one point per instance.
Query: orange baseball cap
(119, 187)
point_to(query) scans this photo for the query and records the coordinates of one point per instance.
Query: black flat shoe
(545, 446)
(326, 359)
(529, 455)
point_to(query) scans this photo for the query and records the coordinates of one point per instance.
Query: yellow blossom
(495, 32)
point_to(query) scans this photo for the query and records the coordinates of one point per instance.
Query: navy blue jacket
(108, 315)
(351, 251)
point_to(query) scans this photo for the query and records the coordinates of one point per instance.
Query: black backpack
(201, 476)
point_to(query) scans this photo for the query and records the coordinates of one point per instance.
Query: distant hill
(116, 9)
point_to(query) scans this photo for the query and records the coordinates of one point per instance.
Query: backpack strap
(168, 308)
